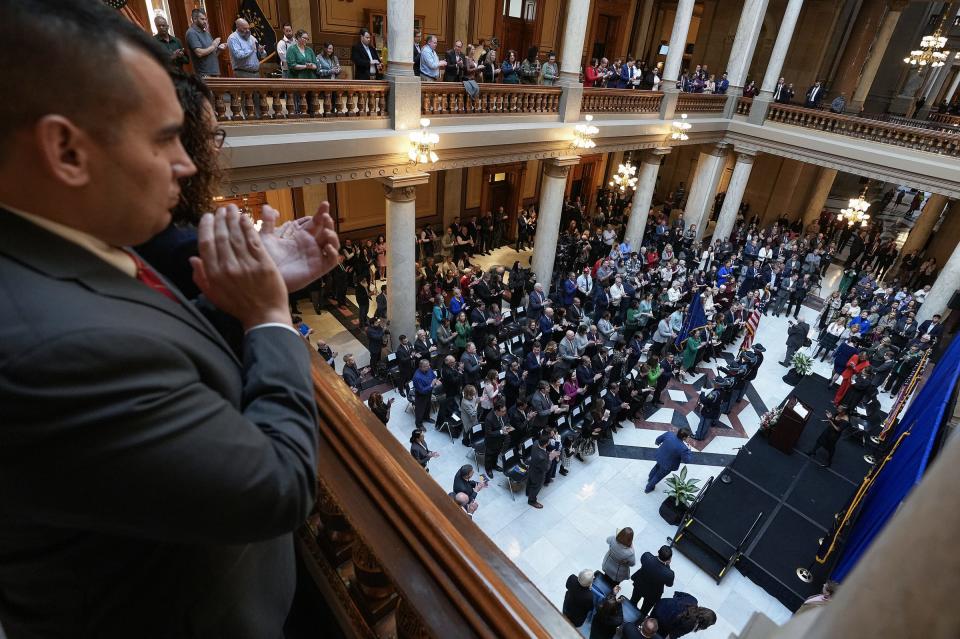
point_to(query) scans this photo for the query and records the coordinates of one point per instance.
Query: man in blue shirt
(724, 274)
(567, 288)
(423, 382)
(430, 64)
(722, 85)
(862, 322)
(671, 453)
(245, 51)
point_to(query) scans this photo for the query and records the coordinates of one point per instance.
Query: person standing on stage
(836, 425)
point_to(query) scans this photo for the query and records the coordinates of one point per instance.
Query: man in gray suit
(151, 478)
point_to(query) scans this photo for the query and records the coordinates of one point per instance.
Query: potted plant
(680, 494)
(802, 364)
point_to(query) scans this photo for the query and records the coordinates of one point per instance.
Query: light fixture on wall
(625, 178)
(680, 128)
(856, 211)
(931, 52)
(422, 143)
(583, 134)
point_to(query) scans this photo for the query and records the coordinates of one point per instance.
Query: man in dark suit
(783, 93)
(154, 467)
(796, 335)
(578, 600)
(456, 64)
(649, 581)
(537, 470)
(647, 629)
(931, 327)
(814, 96)
(671, 453)
(366, 60)
(416, 53)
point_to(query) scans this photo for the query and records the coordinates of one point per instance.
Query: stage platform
(794, 497)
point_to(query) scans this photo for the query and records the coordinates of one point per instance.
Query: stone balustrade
(743, 105)
(450, 98)
(701, 103)
(620, 101)
(941, 142)
(266, 99)
(945, 118)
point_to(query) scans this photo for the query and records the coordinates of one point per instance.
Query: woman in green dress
(690, 351)
(462, 329)
(301, 60)
(849, 277)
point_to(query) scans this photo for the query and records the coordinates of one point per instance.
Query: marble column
(734, 196)
(404, 97)
(818, 198)
(643, 26)
(933, 89)
(671, 68)
(555, 171)
(703, 188)
(865, 28)
(920, 233)
(401, 193)
(748, 32)
(758, 111)
(948, 96)
(571, 54)
(877, 51)
(643, 196)
(946, 284)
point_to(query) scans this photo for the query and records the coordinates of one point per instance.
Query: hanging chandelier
(625, 178)
(856, 211)
(422, 143)
(931, 52)
(583, 134)
(680, 128)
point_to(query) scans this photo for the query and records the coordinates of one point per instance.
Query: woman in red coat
(590, 74)
(855, 365)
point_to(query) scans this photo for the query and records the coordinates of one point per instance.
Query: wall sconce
(680, 128)
(583, 134)
(422, 143)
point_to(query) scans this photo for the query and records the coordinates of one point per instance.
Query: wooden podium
(788, 428)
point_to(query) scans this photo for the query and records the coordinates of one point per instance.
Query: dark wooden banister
(444, 567)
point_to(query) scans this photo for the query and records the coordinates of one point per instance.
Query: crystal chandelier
(583, 134)
(680, 128)
(856, 211)
(931, 52)
(625, 178)
(422, 143)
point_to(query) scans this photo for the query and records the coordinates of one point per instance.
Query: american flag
(752, 323)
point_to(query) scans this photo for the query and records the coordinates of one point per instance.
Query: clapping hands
(304, 249)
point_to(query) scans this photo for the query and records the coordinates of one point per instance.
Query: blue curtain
(905, 469)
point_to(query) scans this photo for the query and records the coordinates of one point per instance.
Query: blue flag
(695, 319)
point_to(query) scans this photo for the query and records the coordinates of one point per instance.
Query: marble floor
(606, 493)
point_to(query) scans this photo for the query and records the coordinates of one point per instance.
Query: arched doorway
(501, 187)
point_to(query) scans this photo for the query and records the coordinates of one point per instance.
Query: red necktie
(149, 277)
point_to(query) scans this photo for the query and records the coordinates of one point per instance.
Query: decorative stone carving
(400, 193)
(556, 171)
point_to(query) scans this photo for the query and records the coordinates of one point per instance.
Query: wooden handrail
(700, 103)
(264, 99)
(447, 573)
(945, 118)
(744, 104)
(918, 139)
(620, 101)
(450, 98)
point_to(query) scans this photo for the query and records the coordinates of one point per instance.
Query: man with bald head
(158, 472)
(245, 51)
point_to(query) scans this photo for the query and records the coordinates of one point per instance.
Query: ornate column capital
(403, 188)
(746, 156)
(654, 156)
(718, 150)
(560, 167)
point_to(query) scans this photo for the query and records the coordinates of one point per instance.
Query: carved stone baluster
(235, 106)
(378, 100)
(250, 113)
(342, 98)
(317, 103)
(271, 111)
(264, 108)
(355, 101)
(372, 585)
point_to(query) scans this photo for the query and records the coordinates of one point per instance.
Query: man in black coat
(578, 602)
(796, 335)
(456, 63)
(537, 470)
(647, 629)
(931, 327)
(366, 60)
(649, 581)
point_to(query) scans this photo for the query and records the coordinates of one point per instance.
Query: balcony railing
(266, 99)
(945, 118)
(450, 98)
(700, 103)
(620, 101)
(744, 105)
(389, 550)
(875, 131)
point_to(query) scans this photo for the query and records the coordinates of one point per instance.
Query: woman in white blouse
(491, 390)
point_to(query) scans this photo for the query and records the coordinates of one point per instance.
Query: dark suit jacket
(453, 73)
(935, 332)
(157, 476)
(539, 463)
(652, 577)
(361, 63)
(577, 602)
